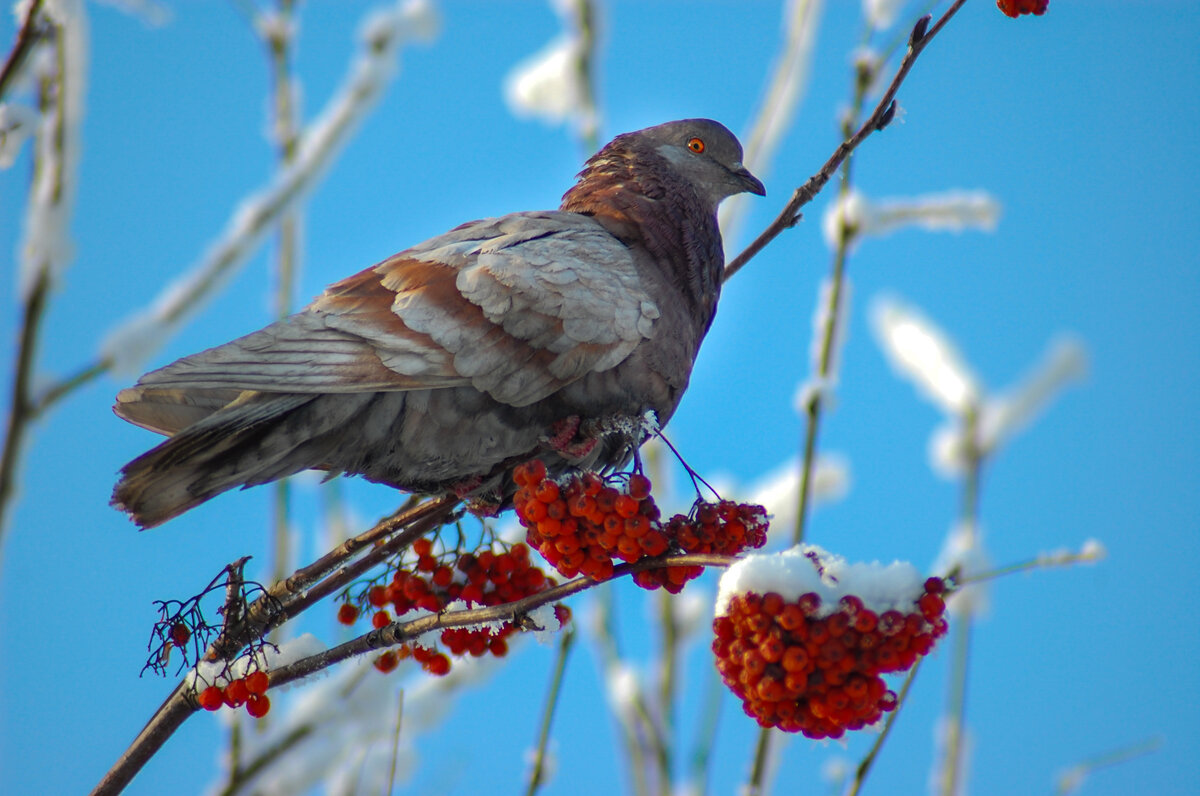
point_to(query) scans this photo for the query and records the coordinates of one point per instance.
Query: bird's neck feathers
(635, 194)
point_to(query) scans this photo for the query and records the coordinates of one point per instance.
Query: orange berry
(258, 705)
(258, 682)
(438, 665)
(236, 693)
(638, 487)
(211, 698)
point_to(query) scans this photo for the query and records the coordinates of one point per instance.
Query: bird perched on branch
(540, 334)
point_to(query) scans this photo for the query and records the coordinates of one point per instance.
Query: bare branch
(790, 215)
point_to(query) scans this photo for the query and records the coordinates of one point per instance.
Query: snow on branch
(1003, 415)
(554, 84)
(382, 33)
(948, 211)
(62, 66)
(922, 353)
(788, 84)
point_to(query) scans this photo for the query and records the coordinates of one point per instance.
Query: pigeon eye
(696, 145)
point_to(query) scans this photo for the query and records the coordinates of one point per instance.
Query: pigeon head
(646, 175)
(705, 154)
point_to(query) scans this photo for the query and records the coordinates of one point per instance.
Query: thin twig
(396, 742)
(21, 408)
(790, 215)
(279, 52)
(516, 612)
(610, 652)
(956, 700)
(668, 675)
(824, 372)
(589, 132)
(27, 37)
(64, 387)
(20, 411)
(864, 767)
(1070, 780)
(706, 737)
(268, 756)
(282, 601)
(537, 776)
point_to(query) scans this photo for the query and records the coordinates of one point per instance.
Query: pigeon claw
(565, 440)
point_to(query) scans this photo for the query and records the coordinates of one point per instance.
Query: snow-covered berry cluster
(582, 522)
(802, 637)
(1014, 8)
(433, 583)
(250, 691)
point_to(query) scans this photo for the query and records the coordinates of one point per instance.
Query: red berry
(639, 487)
(438, 665)
(211, 698)
(377, 596)
(347, 614)
(932, 606)
(387, 661)
(180, 633)
(258, 682)
(258, 705)
(380, 619)
(236, 693)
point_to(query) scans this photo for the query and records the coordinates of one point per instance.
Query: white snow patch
(948, 211)
(1093, 550)
(550, 84)
(544, 617)
(779, 491)
(881, 14)
(921, 352)
(623, 689)
(794, 572)
(17, 123)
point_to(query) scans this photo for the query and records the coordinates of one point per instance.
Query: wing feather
(517, 306)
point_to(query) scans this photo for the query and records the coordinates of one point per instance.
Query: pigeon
(558, 335)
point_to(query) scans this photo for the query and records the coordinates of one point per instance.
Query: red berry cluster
(802, 671)
(250, 691)
(486, 579)
(725, 528)
(1014, 8)
(580, 524)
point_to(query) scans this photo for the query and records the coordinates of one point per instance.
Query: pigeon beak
(748, 181)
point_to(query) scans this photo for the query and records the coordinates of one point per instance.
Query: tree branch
(27, 37)
(922, 34)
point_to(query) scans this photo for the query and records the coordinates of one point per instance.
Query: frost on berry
(583, 524)
(802, 637)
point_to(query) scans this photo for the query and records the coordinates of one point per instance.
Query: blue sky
(1081, 123)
